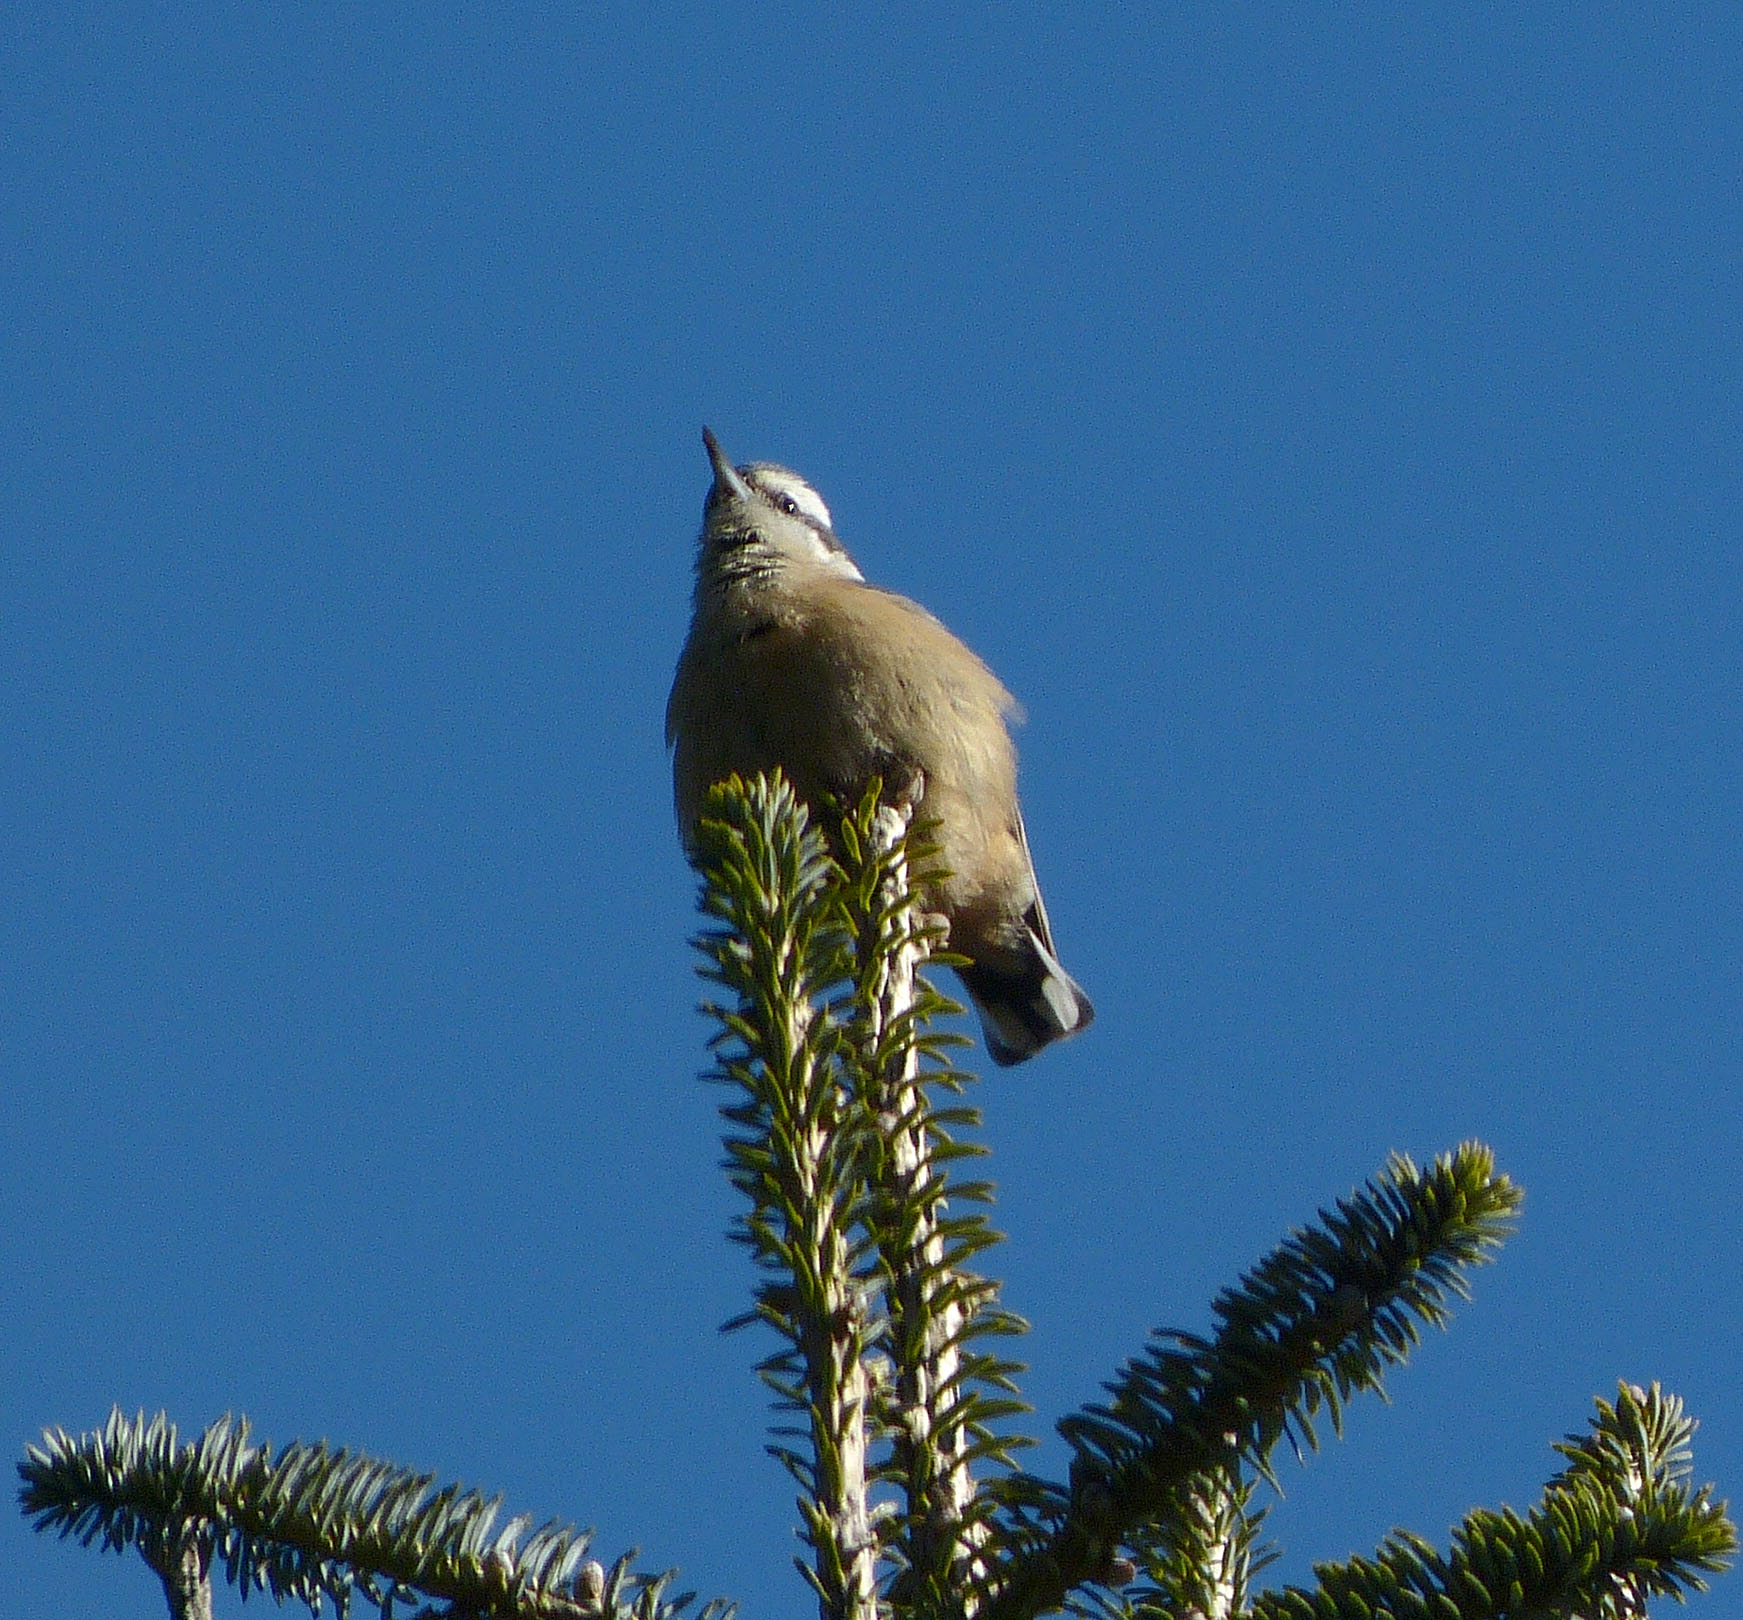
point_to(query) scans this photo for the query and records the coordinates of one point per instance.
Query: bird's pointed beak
(726, 478)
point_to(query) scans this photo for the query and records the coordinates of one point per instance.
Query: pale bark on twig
(846, 1564)
(936, 1476)
(185, 1570)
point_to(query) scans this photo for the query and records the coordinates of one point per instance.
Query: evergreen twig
(842, 1152)
(316, 1524)
(944, 1395)
(1621, 1524)
(799, 1153)
(1317, 1321)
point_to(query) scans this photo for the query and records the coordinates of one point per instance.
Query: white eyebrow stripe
(777, 481)
(811, 504)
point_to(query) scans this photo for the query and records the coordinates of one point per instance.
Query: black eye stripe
(788, 504)
(782, 500)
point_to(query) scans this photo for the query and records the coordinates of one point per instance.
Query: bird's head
(761, 520)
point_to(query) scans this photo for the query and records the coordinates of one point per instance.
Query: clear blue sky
(1326, 419)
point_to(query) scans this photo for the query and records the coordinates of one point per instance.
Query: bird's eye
(788, 505)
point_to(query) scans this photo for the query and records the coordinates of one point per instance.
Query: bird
(793, 660)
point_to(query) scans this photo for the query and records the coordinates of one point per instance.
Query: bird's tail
(1025, 999)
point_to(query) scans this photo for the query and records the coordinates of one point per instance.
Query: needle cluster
(845, 1121)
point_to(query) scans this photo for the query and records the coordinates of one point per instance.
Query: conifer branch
(1202, 1557)
(939, 1403)
(799, 1154)
(1314, 1323)
(831, 945)
(1621, 1524)
(842, 1154)
(924, 1318)
(316, 1524)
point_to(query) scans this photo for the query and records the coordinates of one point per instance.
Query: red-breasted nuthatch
(794, 660)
